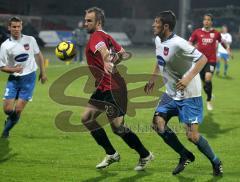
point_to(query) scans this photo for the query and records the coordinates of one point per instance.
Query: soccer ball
(65, 50)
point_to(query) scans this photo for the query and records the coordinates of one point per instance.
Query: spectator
(80, 39)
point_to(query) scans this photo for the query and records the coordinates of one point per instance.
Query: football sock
(133, 142)
(171, 139)
(205, 148)
(208, 90)
(101, 138)
(225, 69)
(12, 119)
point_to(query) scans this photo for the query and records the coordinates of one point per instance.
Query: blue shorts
(223, 56)
(189, 110)
(20, 87)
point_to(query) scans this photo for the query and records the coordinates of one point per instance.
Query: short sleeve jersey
(19, 52)
(227, 38)
(206, 42)
(175, 58)
(104, 81)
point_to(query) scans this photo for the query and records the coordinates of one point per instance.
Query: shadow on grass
(184, 179)
(5, 150)
(136, 177)
(43, 137)
(103, 176)
(215, 178)
(211, 128)
(225, 77)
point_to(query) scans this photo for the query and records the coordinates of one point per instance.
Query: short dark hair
(168, 17)
(208, 14)
(99, 13)
(14, 19)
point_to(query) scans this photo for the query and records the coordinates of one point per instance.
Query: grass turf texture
(38, 151)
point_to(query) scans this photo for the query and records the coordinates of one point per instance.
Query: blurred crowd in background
(131, 18)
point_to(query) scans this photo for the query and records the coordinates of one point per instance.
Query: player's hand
(42, 77)
(108, 67)
(18, 69)
(182, 83)
(149, 87)
(120, 56)
(115, 58)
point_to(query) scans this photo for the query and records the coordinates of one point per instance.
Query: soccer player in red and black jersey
(206, 40)
(111, 92)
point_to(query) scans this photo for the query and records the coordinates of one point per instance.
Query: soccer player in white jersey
(17, 57)
(179, 63)
(222, 52)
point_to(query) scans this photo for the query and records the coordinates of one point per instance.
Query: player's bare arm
(107, 59)
(149, 86)
(9, 69)
(40, 61)
(182, 84)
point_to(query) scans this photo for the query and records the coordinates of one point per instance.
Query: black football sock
(12, 119)
(171, 139)
(101, 138)
(208, 90)
(131, 140)
(205, 148)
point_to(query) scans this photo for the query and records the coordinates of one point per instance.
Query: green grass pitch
(38, 151)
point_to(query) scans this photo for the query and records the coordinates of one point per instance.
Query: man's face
(207, 22)
(158, 28)
(15, 29)
(90, 22)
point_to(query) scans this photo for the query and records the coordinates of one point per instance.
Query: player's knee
(120, 130)
(208, 77)
(193, 137)
(85, 119)
(158, 124)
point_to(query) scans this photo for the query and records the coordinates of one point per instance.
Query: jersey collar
(204, 29)
(12, 39)
(171, 36)
(101, 31)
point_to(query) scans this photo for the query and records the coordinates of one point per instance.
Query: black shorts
(113, 102)
(209, 67)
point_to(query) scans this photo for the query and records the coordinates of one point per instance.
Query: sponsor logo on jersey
(207, 40)
(21, 57)
(212, 35)
(161, 61)
(165, 51)
(26, 46)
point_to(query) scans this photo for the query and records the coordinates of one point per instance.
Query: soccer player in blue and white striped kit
(17, 57)
(179, 63)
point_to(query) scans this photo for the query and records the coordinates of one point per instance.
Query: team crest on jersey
(26, 46)
(212, 35)
(165, 51)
